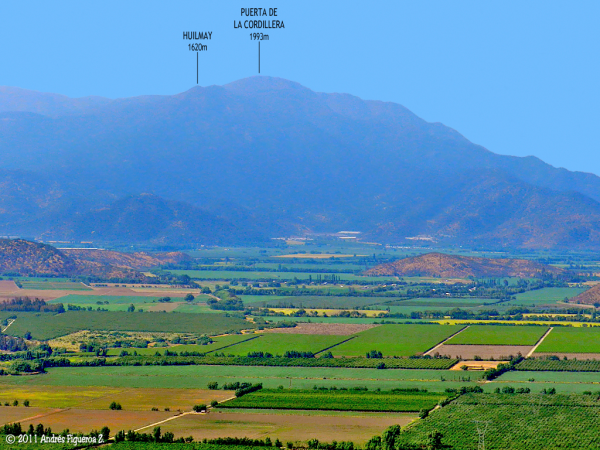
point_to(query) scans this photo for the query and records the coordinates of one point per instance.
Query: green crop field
(271, 276)
(336, 400)
(251, 300)
(197, 377)
(328, 319)
(92, 300)
(47, 326)
(545, 296)
(411, 309)
(560, 365)
(523, 376)
(516, 421)
(219, 342)
(396, 340)
(318, 302)
(499, 335)
(278, 344)
(326, 264)
(571, 340)
(451, 302)
(194, 308)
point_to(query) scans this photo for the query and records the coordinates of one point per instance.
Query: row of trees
(26, 304)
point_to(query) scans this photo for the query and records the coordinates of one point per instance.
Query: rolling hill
(452, 266)
(265, 157)
(26, 258)
(589, 297)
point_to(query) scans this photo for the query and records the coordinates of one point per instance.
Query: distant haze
(265, 157)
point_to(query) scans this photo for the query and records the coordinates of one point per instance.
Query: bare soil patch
(167, 306)
(8, 286)
(12, 414)
(144, 399)
(469, 352)
(477, 365)
(85, 420)
(289, 426)
(579, 356)
(333, 329)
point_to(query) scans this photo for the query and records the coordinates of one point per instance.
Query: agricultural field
(571, 340)
(53, 284)
(396, 340)
(338, 329)
(198, 377)
(513, 421)
(273, 276)
(100, 397)
(495, 352)
(311, 312)
(195, 308)
(559, 365)
(278, 344)
(299, 403)
(523, 376)
(219, 343)
(498, 335)
(290, 264)
(287, 426)
(92, 300)
(313, 302)
(546, 296)
(48, 326)
(337, 400)
(441, 302)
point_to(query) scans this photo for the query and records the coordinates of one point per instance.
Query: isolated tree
(389, 437)
(434, 441)
(189, 298)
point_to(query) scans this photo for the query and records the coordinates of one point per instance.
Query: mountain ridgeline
(441, 265)
(265, 157)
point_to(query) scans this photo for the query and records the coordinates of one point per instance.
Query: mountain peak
(260, 84)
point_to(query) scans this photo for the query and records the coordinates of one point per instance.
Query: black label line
(196, 67)
(258, 56)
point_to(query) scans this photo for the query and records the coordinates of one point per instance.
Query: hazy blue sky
(519, 78)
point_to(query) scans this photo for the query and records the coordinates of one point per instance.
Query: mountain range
(264, 157)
